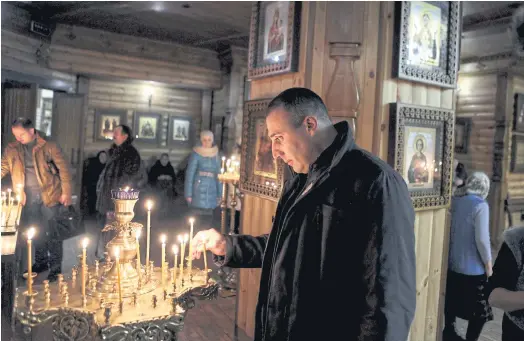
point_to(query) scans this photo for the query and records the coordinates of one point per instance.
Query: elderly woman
(469, 260)
(507, 284)
(202, 189)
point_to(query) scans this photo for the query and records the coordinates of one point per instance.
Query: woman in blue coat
(202, 189)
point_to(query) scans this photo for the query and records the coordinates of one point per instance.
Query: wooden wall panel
(257, 213)
(431, 227)
(134, 97)
(515, 180)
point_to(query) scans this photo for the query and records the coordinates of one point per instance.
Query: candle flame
(223, 158)
(149, 204)
(85, 242)
(31, 233)
(117, 252)
(180, 239)
(191, 220)
(9, 190)
(186, 238)
(126, 189)
(175, 249)
(18, 197)
(138, 233)
(163, 238)
(233, 157)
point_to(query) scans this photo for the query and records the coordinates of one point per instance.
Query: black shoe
(40, 267)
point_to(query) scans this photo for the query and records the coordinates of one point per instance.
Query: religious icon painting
(274, 38)
(260, 174)
(518, 113)
(147, 127)
(422, 139)
(462, 130)
(106, 120)
(180, 130)
(428, 36)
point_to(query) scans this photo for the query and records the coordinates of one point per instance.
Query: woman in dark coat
(93, 167)
(162, 179)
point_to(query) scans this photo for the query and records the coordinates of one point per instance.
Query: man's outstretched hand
(215, 242)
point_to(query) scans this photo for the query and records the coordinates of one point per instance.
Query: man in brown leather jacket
(40, 168)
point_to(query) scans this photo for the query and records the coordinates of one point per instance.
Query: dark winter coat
(339, 263)
(122, 169)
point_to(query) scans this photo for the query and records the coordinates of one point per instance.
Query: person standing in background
(470, 262)
(40, 167)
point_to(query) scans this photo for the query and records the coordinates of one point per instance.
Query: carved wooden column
(343, 92)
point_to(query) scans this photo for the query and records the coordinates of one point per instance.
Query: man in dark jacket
(121, 170)
(339, 263)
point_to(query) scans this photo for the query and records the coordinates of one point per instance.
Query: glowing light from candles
(30, 235)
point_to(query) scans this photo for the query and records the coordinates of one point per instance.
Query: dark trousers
(48, 251)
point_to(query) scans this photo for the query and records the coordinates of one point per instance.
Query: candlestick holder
(11, 210)
(96, 319)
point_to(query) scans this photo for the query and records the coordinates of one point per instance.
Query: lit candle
(9, 195)
(191, 221)
(181, 240)
(223, 161)
(149, 204)
(205, 258)
(117, 263)
(163, 261)
(30, 235)
(84, 263)
(186, 238)
(19, 213)
(138, 263)
(175, 253)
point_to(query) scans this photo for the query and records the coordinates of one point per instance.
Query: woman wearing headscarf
(202, 189)
(469, 264)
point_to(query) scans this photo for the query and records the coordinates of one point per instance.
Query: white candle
(186, 238)
(84, 263)
(163, 269)
(138, 263)
(19, 212)
(191, 222)
(30, 235)
(149, 204)
(181, 241)
(175, 253)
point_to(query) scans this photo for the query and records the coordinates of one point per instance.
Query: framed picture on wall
(106, 120)
(260, 174)
(147, 127)
(428, 38)
(518, 113)
(462, 129)
(180, 132)
(517, 154)
(421, 151)
(274, 38)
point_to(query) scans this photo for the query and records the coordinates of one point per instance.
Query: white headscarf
(207, 133)
(478, 183)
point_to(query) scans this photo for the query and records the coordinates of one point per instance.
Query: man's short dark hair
(127, 131)
(300, 103)
(164, 154)
(23, 122)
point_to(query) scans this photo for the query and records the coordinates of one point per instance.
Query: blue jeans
(48, 251)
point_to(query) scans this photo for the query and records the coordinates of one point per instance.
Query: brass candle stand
(147, 310)
(228, 276)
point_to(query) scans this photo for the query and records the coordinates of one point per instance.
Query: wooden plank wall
(515, 181)
(19, 53)
(256, 212)
(476, 100)
(133, 97)
(431, 227)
